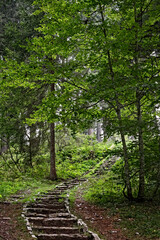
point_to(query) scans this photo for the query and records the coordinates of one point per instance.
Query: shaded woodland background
(80, 84)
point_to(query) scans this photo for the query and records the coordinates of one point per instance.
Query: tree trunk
(99, 132)
(118, 112)
(125, 154)
(141, 150)
(53, 174)
(4, 146)
(158, 166)
(104, 125)
(158, 174)
(30, 152)
(90, 131)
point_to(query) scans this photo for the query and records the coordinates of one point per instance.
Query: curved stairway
(49, 218)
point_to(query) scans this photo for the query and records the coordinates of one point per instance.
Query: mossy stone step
(54, 192)
(54, 205)
(50, 196)
(62, 237)
(50, 199)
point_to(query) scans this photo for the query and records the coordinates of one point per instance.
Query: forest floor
(12, 225)
(100, 220)
(123, 222)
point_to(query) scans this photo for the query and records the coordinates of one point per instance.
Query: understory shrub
(104, 189)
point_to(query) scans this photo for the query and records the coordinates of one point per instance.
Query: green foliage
(151, 167)
(137, 220)
(141, 220)
(77, 157)
(82, 156)
(29, 187)
(72, 196)
(104, 63)
(104, 189)
(69, 169)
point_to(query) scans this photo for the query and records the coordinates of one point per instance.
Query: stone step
(55, 192)
(45, 210)
(50, 199)
(17, 196)
(71, 184)
(52, 195)
(62, 215)
(56, 205)
(34, 214)
(62, 188)
(52, 215)
(62, 237)
(57, 230)
(54, 222)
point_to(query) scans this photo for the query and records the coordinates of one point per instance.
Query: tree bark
(158, 172)
(53, 174)
(158, 166)
(99, 132)
(139, 95)
(90, 131)
(125, 154)
(141, 150)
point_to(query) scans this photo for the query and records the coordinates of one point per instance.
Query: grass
(26, 186)
(141, 220)
(138, 221)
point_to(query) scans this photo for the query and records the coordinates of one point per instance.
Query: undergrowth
(27, 187)
(72, 161)
(138, 221)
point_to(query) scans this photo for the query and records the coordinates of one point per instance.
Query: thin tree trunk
(158, 174)
(53, 174)
(118, 111)
(125, 154)
(30, 152)
(138, 19)
(141, 150)
(158, 167)
(99, 131)
(104, 129)
(90, 131)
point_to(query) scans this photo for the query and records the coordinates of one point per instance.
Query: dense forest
(80, 91)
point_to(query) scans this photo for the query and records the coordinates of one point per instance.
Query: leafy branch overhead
(86, 62)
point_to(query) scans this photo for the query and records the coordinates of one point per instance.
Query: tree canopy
(92, 60)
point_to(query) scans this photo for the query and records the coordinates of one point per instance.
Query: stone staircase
(49, 218)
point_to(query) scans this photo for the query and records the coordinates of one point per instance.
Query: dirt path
(99, 220)
(12, 225)
(50, 218)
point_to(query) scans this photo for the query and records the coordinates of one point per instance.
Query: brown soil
(99, 220)
(12, 225)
